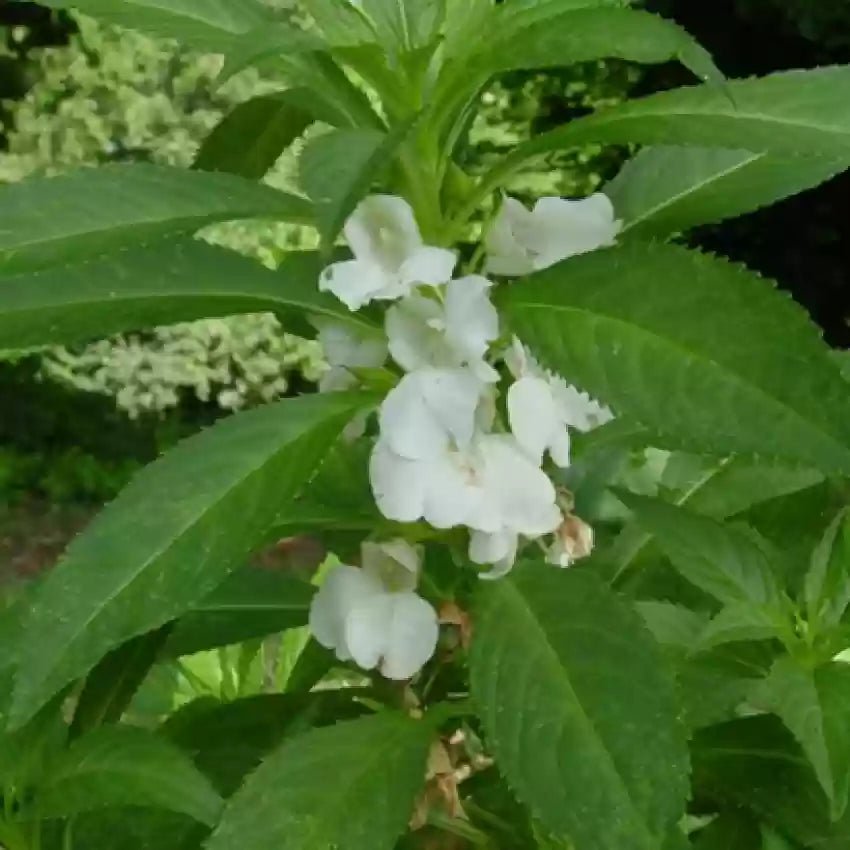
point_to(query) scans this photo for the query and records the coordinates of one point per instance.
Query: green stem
(68, 835)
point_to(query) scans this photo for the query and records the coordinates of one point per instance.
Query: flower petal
(414, 343)
(342, 588)
(399, 631)
(506, 253)
(565, 228)
(526, 495)
(498, 549)
(428, 265)
(453, 496)
(472, 322)
(367, 630)
(383, 230)
(428, 409)
(398, 484)
(533, 415)
(414, 632)
(559, 448)
(576, 408)
(410, 427)
(354, 282)
(336, 379)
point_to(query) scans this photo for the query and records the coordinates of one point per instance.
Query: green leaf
(250, 139)
(827, 584)
(578, 709)
(110, 687)
(671, 625)
(162, 283)
(403, 24)
(754, 762)
(792, 112)
(729, 562)
(737, 622)
(740, 483)
(557, 36)
(815, 706)
(349, 786)
(666, 190)
(279, 43)
(172, 536)
(90, 211)
(27, 753)
(313, 663)
(125, 765)
(227, 740)
(125, 828)
(337, 169)
(654, 330)
(251, 603)
(201, 24)
(714, 684)
(343, 24)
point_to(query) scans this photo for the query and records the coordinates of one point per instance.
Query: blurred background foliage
(77, 422)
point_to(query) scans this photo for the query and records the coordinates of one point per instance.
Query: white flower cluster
(442, 455)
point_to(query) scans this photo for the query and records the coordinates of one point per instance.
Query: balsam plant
(585, 487)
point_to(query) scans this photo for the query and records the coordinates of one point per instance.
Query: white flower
(423, 331)
(498, 549)
(578, 409)
(490, 486)
(522, 241)
(430, 410)
(541, 407)
(372, 615)
(389, 255)
(573, 540)
(537, 422)
(345, 350)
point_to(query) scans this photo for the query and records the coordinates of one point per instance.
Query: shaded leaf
(125, 765)
(579, 712)
(251, 603)
(175, 533)
(251, 137)
(349, 786)
(111, 685)
(815, 706)
(729, 562)
(227, 740)
(666, 190)
(755, 762)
